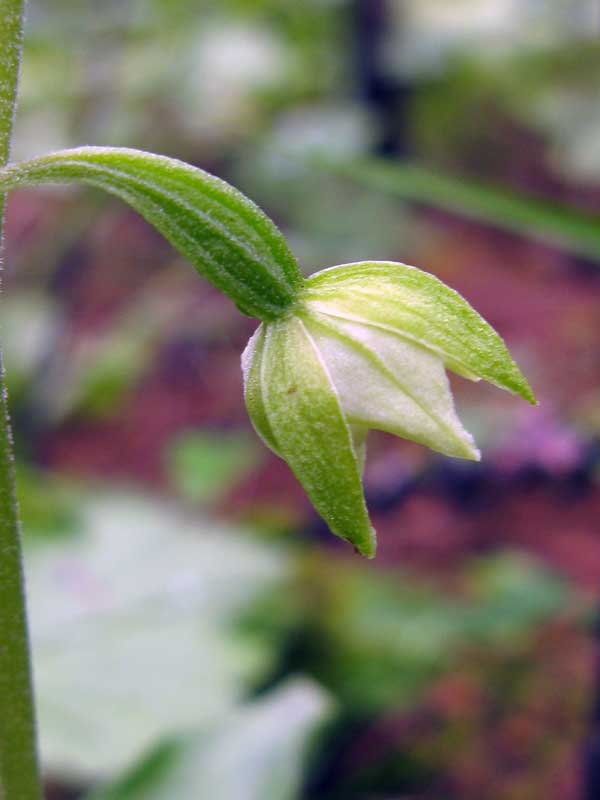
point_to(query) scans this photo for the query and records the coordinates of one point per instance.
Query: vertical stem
(19, 774)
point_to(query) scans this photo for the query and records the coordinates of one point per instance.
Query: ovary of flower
(366, 347)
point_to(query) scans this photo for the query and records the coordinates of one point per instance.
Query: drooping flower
(366, 346)
(354, 347)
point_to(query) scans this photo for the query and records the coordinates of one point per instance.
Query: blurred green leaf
(383, 638)
(98, 375)
(102, 369)
(202, 465)
(132, 630)
(48, 505)
(511, 593)
(551, 223)
(257, 753)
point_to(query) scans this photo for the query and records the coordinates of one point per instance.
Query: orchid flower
(366, 346)
(352, 348)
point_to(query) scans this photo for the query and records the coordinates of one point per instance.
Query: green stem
(19, 774)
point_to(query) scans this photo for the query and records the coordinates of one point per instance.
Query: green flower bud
(366, 346)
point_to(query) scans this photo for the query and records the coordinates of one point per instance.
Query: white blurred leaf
(257, 753)
(131, 630)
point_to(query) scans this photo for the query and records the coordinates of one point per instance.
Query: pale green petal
(312, 435)
(417, 306)
(391, 384)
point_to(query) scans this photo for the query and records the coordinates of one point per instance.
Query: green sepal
(226, 237)
(295, 408)
(415, 305)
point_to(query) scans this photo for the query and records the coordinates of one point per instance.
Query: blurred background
(197, 631)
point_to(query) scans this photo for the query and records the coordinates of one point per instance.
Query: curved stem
(19, 774)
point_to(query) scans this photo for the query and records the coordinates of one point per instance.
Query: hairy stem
(19, 774)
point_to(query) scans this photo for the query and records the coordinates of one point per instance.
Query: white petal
(391, 384)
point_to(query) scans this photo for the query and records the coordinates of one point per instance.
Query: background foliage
(192, 621)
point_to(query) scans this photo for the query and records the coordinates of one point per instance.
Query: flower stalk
(19, 773)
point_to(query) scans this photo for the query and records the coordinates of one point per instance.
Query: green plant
(355, 347)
